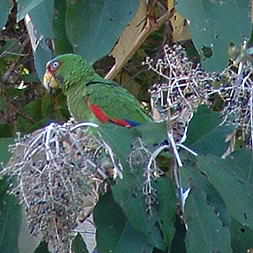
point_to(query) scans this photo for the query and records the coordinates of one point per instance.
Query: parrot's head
(64, 71)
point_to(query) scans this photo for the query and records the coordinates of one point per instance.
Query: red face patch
(53, 66)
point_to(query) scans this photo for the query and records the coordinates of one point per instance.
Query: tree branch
(149, 28)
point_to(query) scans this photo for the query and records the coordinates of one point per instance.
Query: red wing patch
(105, 118)
(100, 113)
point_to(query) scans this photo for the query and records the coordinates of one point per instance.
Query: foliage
(10, 220)
(181, 185)
(210, 37)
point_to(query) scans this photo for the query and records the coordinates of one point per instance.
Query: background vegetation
(116, 37)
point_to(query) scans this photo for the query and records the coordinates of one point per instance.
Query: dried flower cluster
(58, 170)
(184, 84)
(237, 93)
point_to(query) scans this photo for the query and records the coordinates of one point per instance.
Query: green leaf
(28, 243)
(241, 237)
(152, 133)
(54, 107)
(78, 245)
(202, 123)
(11, 45)
(41, 56)
(241, 164)
(93, 27)
(129, 195)
(211, 23)
(62, 44)
(4, 12)
(206, 215)
(32, 112)
(6, 130)
(205, 232)
(204, 133)
(3, 103)
(42, 248)
(41, 31)
(41, 112)
(42, 18)
(192, 178)
(233, 187)
(12, 92)
(25, 6)
(10, 220)
(133, 241)
(123, 136)
(166, 197)
(178, 243)
(3, 186)
(4, 147)
(114, 233)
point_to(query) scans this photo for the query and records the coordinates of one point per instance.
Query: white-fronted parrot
(89, 96)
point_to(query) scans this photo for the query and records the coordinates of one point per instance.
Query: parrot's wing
(111, 103)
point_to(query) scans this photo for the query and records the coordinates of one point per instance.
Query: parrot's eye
(54, 66)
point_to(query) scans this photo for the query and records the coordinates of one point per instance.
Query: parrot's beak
(50, 82)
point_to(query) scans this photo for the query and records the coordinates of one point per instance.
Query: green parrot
(89, 96)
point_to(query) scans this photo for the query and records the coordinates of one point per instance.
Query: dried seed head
(237, 93)
(57, 171)
(183, 87)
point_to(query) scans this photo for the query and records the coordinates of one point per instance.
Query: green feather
(80, 83)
